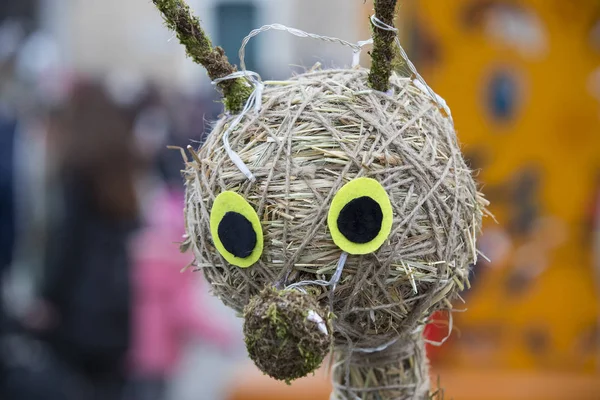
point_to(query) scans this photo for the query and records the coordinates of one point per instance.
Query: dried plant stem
(383, 46)
(180, 19)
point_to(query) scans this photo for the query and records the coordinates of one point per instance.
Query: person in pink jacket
(166, 311)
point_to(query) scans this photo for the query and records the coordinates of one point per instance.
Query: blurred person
(10, 37)
(166, 315)
(82, 314)
(7, 137)
(13, 135)
(21, 355)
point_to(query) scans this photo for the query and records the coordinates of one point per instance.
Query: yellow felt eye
(236, 230)
(360, 218)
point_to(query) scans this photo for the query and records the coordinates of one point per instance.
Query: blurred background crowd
(91, 94)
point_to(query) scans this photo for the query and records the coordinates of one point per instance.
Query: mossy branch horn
(179, 18)
(383, 46)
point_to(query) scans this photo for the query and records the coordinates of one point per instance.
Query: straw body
(399, 372)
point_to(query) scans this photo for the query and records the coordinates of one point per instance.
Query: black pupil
(237, 234)
(360, 220)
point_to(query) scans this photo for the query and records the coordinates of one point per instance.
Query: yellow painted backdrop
(536, 305)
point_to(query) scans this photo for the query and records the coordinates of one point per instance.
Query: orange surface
(250, 384)
(556, 127)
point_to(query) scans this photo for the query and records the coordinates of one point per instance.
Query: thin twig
(179, 18)
(383, 46)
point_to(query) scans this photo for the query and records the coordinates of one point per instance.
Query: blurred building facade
(128, 39)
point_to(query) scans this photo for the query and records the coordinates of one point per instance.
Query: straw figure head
(362, 202)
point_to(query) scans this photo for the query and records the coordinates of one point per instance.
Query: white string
(295, 32)
(335, 278)
(418, 81)
(376, 349)
(338, 271)
(356, 54)
(254, 101)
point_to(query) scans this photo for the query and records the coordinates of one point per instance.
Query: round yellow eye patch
(360, 218)
(236, 230)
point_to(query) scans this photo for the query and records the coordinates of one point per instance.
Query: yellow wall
(551, 320)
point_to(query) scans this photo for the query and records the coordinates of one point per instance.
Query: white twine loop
(254, 102)
(335, 278)
(376, 349)
(295, 32)
(419, 82)
(255, 99)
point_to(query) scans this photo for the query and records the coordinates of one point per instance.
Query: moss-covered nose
(287, 333)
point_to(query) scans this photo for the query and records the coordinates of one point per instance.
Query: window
(234, 22)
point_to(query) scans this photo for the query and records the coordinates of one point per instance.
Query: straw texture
(314, 133)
